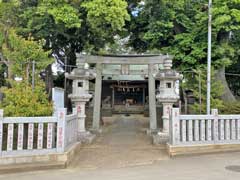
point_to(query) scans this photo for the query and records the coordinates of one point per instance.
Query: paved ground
(124, 152)
(207, 167)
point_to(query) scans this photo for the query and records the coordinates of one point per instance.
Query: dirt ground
(122, 143)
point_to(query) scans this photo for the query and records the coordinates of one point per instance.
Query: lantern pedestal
(168, 95)
(79, 97)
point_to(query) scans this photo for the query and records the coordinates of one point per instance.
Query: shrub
(230, 108)
(20, 100)
(192, 84)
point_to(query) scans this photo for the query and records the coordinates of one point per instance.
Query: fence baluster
(202, 130)
(10, 137)
(209, 130)
(233, 129)
(238, 129)
(227, 129)
(50, 135)
(190, 130)
(20, 136)
(184, 131)
(222, 129)
(40, 136)
(30, 135)
(196, 130)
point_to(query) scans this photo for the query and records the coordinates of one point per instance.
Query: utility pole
(65, 80)
(33, 75)
(209, 56)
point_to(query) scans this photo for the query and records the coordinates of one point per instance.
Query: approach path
(123, 142)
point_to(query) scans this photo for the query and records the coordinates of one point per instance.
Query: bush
(192, 84)
(230, 108)
(20, 100)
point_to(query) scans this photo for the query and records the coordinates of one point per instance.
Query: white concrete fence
(37, 135)
(204, 129)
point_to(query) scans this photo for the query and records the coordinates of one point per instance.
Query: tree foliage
(103, 14)
(71, 26)
(180, 28)
(19, 53)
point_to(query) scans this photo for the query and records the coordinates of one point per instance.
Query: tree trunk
(9, 71)
(27, 72)
(227, 93)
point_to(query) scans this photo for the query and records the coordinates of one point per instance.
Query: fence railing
(71, 129)
(37, 135)
(204, 129)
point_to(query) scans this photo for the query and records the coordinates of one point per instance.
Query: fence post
(75, 128)
(61, 121)
(1, 130)
(215, 125)
(174, 126)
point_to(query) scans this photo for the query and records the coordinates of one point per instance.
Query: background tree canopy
(180, 28)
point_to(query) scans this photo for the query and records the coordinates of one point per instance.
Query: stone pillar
(167, 107)
(97, 98)
(144, 96)
(81, 117)
(152, 99)
(113, 97)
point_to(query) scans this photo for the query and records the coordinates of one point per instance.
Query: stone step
(17, 168)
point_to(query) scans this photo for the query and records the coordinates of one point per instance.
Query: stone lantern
(80, 95)
(168, 91)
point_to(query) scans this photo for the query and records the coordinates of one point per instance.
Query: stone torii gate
(156, 67)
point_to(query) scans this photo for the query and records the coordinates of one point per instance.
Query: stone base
(160, 138)
(152, 131)
(95, 131)
(201, 149)
(86, 137)
(37, 161)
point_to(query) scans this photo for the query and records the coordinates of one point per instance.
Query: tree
(80, 25)
(72, 26)
(180, 28)
(19, 54)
